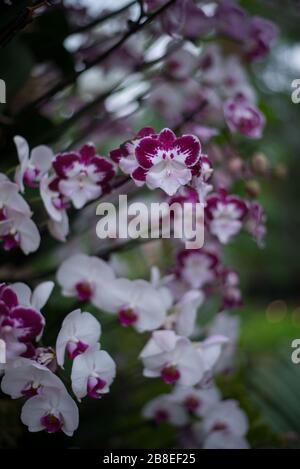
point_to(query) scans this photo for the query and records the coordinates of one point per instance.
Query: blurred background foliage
(267, 383)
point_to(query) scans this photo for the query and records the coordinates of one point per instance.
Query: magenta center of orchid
(191, 403)
(127, 317)
(10, 241)
(28, 322)
(2, 215)
(52, 423)
(76, 348)
(219, 427)
(174, 65)
(7, 324)
(161, 416)
(168, 156)
(59, 204)
(84, 290)
(95, 386)
(30, 390)
(30, 177)
(246, 124)
(170, 374)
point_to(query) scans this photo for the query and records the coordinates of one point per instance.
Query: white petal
(149, 305)
(22, 148)
(176, 414)
(83, 268)
(187, 312)
(11, 199)
(115, 294)
(29, 236)
(229, 413)
(47, 195)
(72, 271)
(51, 400)
(210, 350)
(223, 440)
(168, 179)
(190, 366)
(59, 229)
(41, 157)
(41, 294)
(82, 326)
(23, 293)
(97, 362)
(25, 371)
(32, 412)
(23, 155)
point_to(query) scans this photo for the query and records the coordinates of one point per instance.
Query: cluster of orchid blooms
(167, 308)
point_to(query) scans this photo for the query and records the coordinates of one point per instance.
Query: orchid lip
(127, 317)
(75, 348)
(30, 390)
(170, 374)
(51, 422)
(94, 387)
(84, 290)
(220, 427)
(191, 403)
(161, 416)
(10, 241)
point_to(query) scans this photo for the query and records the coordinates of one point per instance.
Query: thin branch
(126, 246)
(135, 28)
(142, 8)
(189, 117)
(102, 19)
(91, 127)
(59, 130)
(18, 23)
(23, 18)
